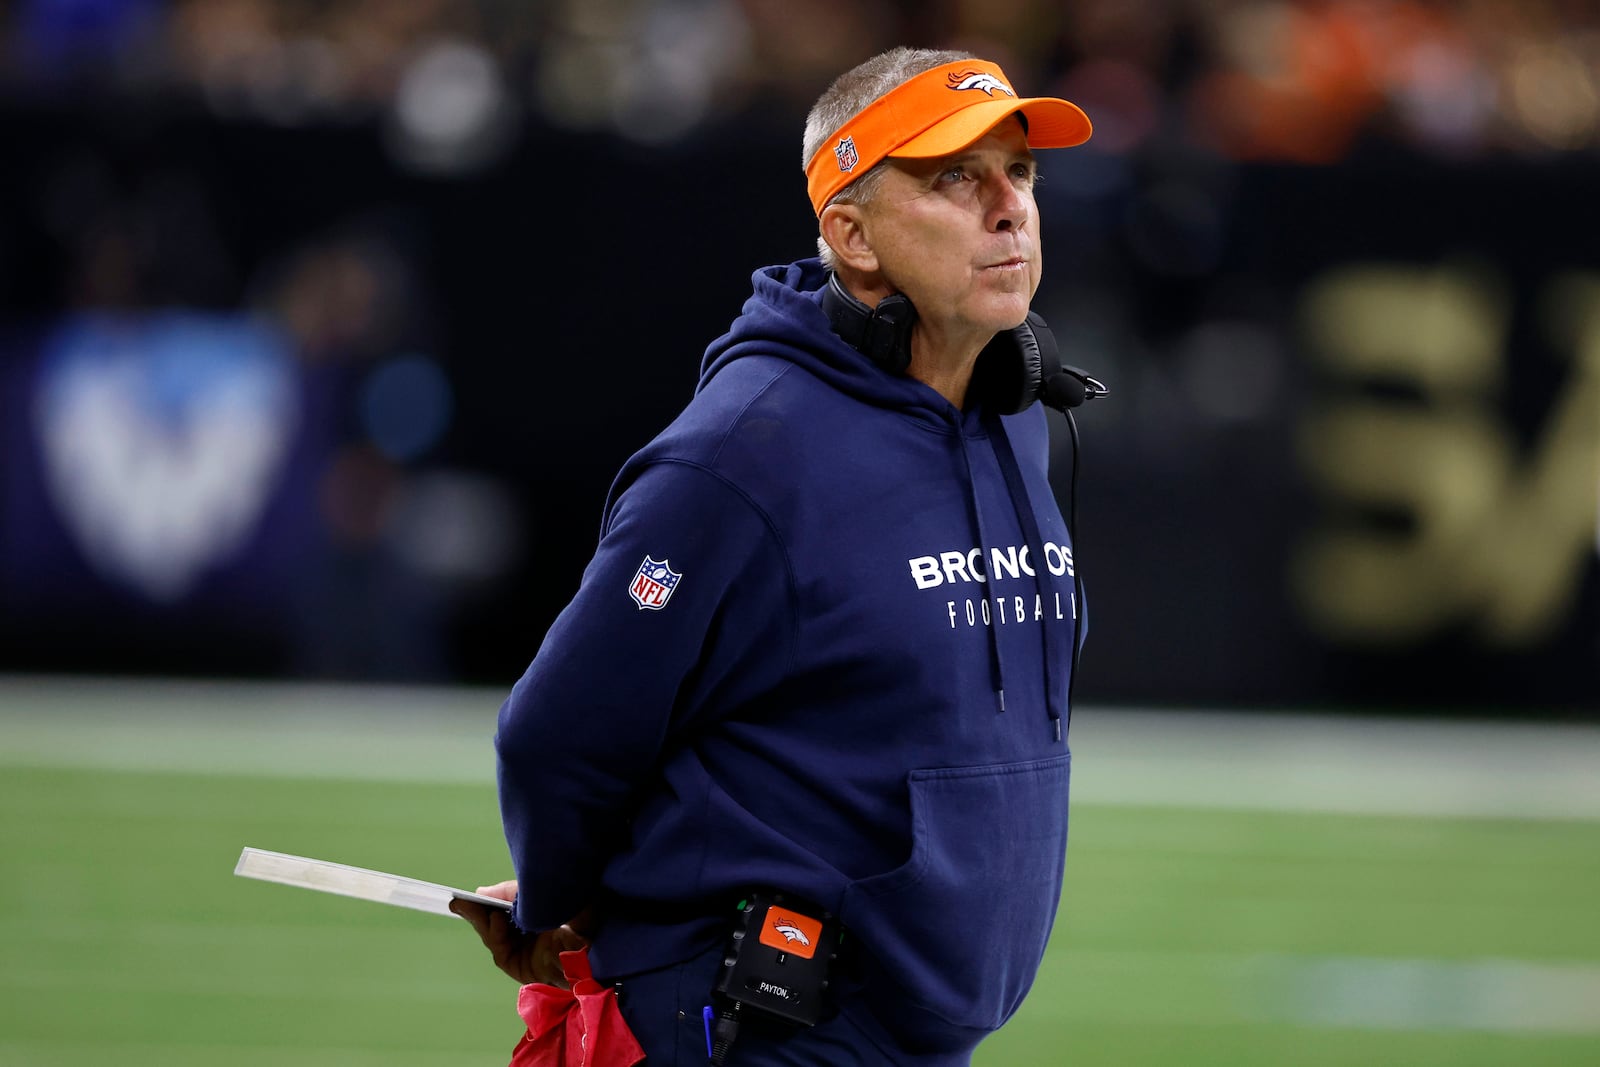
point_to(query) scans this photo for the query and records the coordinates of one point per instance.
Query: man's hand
(525, 957)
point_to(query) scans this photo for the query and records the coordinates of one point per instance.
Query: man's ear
(844, 229)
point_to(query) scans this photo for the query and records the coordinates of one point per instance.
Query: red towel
(577, 1027)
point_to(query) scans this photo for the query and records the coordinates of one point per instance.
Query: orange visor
(936, 113)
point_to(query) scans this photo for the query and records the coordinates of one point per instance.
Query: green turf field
(1187, 936)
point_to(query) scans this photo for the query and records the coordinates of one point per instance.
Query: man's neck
(943, 364)
(940, 358)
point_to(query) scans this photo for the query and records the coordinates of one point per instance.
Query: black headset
(1019, 366)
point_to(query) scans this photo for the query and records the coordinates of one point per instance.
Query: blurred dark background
(324, 326)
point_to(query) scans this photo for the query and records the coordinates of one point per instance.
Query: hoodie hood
(784, 318)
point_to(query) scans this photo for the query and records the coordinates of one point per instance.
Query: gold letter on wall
(1477, 530)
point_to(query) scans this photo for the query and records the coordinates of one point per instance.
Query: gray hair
(844, 99)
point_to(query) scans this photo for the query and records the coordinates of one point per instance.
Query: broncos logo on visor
(979, 80)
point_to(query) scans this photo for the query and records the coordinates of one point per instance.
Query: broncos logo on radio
(791, 933)
(979, 80)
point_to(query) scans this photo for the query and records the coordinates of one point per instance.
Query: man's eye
(954, 174)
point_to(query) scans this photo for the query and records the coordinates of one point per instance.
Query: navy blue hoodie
(823, 646)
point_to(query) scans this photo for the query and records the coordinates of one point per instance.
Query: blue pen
(707, 1014)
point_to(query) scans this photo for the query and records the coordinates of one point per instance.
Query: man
(824, 645)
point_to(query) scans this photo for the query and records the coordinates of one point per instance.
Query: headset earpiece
(1037, 374)
(882, 334)
(1012, 367)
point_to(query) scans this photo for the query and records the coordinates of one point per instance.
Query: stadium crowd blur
(1294, 80)
(206, 296)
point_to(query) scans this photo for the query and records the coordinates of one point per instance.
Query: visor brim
(1052, 123)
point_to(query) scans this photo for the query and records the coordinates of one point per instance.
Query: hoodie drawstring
(997, 667)
(1035, 541)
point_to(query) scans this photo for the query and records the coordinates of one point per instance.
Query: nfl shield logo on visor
(653, 584)
(845, 151)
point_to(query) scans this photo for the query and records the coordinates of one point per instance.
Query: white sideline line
(1325, 992)
(1160, 758)
(362, 733)
(1338, 764)
(1506, 996)
(107, 1046)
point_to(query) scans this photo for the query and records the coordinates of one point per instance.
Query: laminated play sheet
(358, 882)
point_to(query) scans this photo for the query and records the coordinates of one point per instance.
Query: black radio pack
(779, 957)
(778, 961)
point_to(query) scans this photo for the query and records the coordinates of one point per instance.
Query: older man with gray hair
(792, 767)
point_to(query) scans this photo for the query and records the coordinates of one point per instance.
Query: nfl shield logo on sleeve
(653, 584)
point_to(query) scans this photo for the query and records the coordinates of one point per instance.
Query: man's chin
(1010, 313)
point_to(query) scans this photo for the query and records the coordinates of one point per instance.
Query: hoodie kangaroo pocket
(960, 928)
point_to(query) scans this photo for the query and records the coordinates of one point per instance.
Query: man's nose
(1008, 207)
